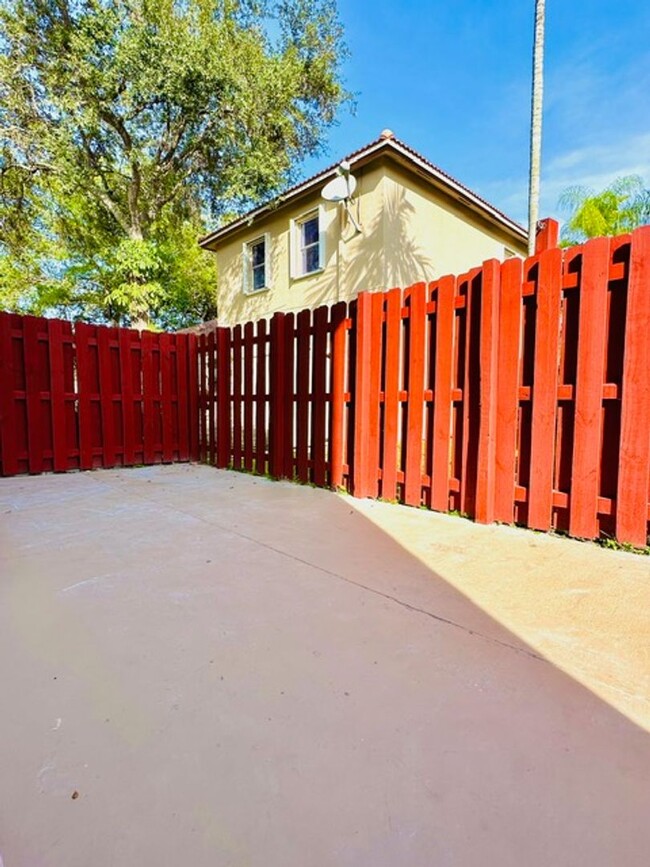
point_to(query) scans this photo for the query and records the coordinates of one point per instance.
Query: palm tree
(536, 123)
(619, 208)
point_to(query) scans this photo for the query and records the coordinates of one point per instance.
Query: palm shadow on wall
(392, 254)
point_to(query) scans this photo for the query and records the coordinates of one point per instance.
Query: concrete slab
(231, 671)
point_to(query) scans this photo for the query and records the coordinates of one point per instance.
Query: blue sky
(452, 79)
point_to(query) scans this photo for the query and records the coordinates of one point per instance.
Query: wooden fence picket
(590, 379)
(318, 415)
(544, 392)
(488, 390)
(634, 469)
(391, 417)
(248, 396)
(337, 398)
(445, 290)
(278, 413)
(8, 420)
(126, 337)
(415, 300)
(303, 385)
(261, 399)
(57, 394)
(507, 397)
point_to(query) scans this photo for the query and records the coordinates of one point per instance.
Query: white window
(307, 244)
(256, 265)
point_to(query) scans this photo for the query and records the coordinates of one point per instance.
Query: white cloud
(596, 109)
(594, 166)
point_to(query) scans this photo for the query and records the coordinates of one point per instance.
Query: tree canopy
(622, 206)
(127, 124)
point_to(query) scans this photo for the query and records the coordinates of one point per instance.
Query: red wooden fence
(518, 392)
(275, 397)
(85, 396)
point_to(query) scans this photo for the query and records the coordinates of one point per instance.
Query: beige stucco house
(406, 221)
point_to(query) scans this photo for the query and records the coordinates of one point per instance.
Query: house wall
(428, 234)
(342, 248)
(409, 233)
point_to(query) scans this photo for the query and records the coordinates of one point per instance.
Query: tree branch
(106, 197)
(116, 123)
(161, 201)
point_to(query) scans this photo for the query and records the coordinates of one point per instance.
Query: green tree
(127, 124)
(622, 206)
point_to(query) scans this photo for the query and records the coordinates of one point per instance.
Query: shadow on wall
(390, 255)
(316, 290)
(385, 255)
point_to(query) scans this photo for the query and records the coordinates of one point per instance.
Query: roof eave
(286, 198)
(274, 205)
(462, 193)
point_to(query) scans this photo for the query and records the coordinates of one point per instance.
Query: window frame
(297, 223)
(247, 264)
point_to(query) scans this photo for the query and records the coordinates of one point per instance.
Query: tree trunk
(140, 317)
(536, 124)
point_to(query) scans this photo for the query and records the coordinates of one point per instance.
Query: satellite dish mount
(341, 189)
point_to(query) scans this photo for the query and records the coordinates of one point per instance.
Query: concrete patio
(202, 668)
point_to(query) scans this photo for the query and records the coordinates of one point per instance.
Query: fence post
(634, 466)
(277, 396)
(546, 235)
(488, 388)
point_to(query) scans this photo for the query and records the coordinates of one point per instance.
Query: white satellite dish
(339, 189)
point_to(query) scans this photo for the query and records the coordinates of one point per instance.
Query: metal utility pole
(536, 124)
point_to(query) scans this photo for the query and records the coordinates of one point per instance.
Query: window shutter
(245, 261)
(321, 237)
(267, 260)
(294, 245)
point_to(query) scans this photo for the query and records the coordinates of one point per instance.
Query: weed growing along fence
(518, 392)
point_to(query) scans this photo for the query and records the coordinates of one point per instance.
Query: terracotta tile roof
(385, 143)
